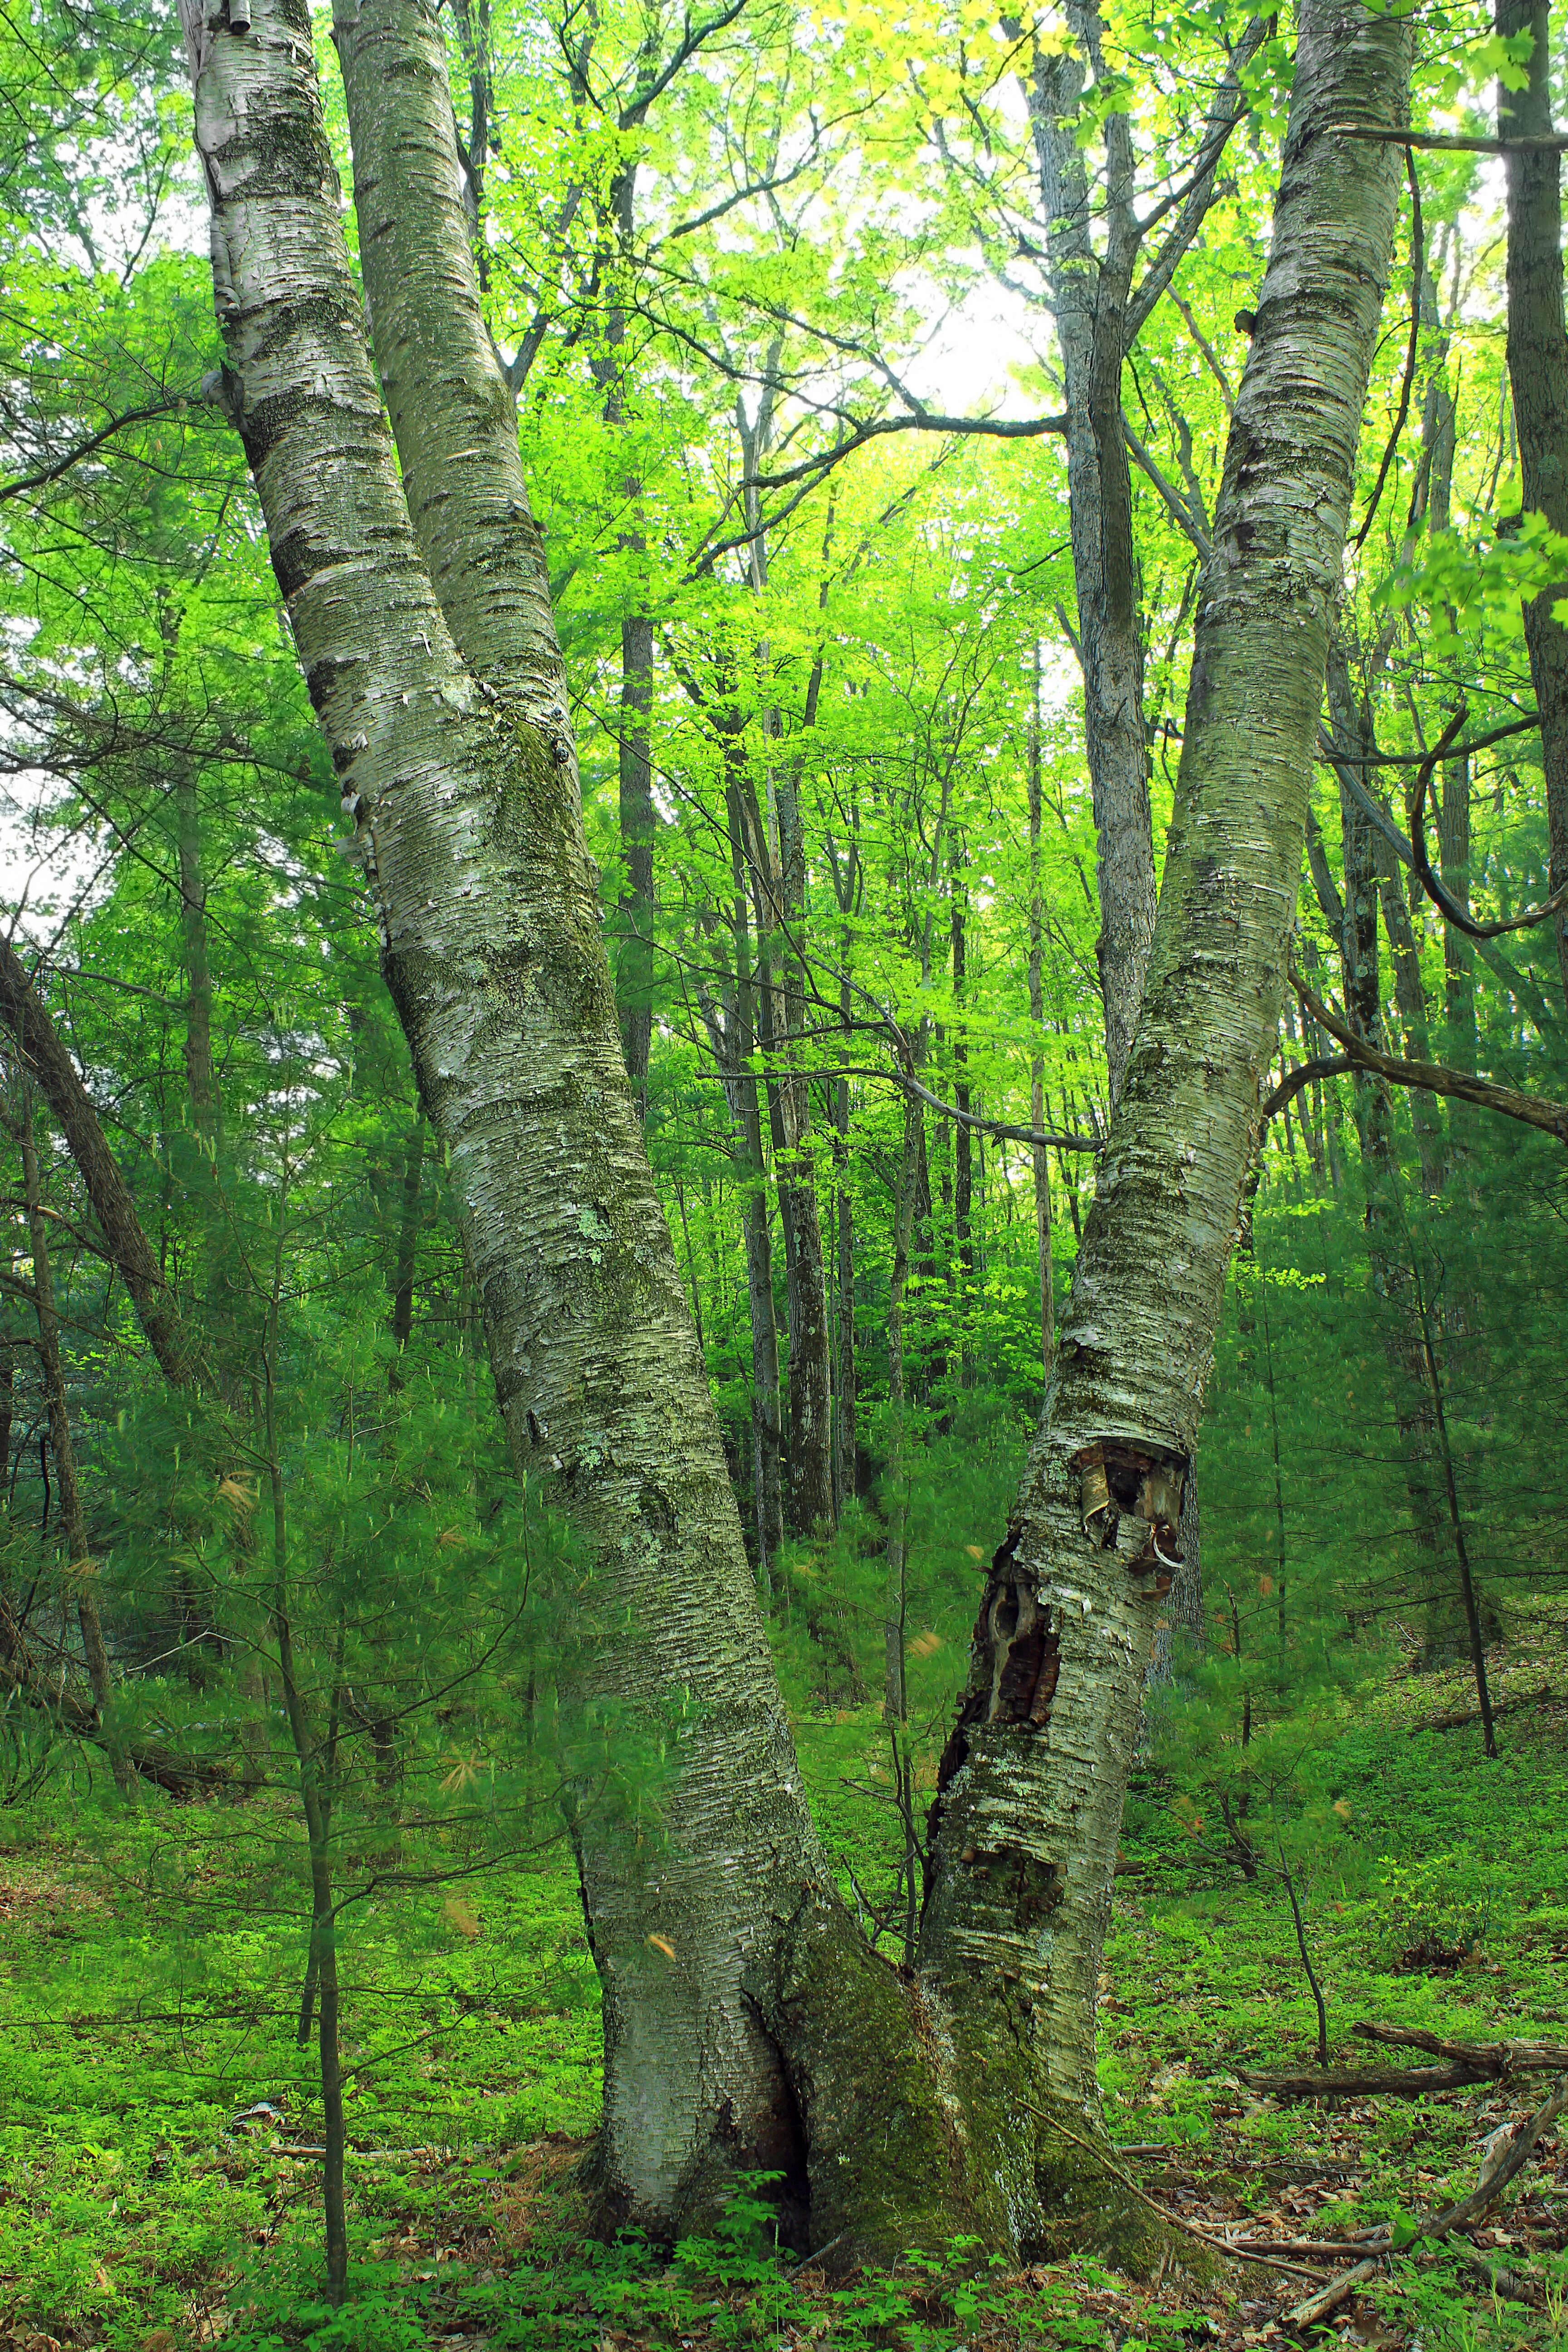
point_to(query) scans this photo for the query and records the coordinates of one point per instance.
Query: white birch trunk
(1032, 1786)
(444, 706)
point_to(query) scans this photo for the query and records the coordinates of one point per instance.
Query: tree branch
(1434, 1077)
(48, 473)
(1452, 143)
(1417, 261)
(43, 1053)
(1422, 864)
(1322, 1065)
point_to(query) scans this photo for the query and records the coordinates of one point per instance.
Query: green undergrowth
(156, 2116)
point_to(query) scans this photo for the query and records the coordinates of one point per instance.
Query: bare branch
(1434, 1077)
(1322, 1065)
(48, 473)
(1418, 259)
(1452, 143)
(1423, 864)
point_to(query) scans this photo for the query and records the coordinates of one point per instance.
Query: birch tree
(745, 2021)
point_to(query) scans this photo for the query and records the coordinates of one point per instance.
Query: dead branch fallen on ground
(1463, 2065)
(1507, 2156)
(180, 1776)
(1338, 2291)
(1358, 2082)
(1461, 1718)
(1216, 2245)
(1486, 2057)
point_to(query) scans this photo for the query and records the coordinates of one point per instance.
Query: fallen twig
(1338, 2291)
(1216, 2245)
(1320, 2248)
(1509, 2158)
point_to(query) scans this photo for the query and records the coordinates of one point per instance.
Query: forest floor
(158, 2186)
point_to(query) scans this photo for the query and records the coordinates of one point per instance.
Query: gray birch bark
(743, 2019)
(1024, 1840)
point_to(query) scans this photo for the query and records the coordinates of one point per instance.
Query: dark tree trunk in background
(895, 1706)
(963, 1140)
(1039, 1158)
(201, 1084)
(847, 1456)
(634, 957)
(1410, 1002)
(1538, 371)
(408, 1235)
(79, 1570)
(44, 1055)
(1090, 285)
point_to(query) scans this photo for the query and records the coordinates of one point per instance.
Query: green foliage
(893, 652)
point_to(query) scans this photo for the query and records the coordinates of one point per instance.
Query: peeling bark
(1024, 1837)
(424, 633)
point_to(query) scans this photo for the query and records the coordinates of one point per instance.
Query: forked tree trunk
(745, 2021)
